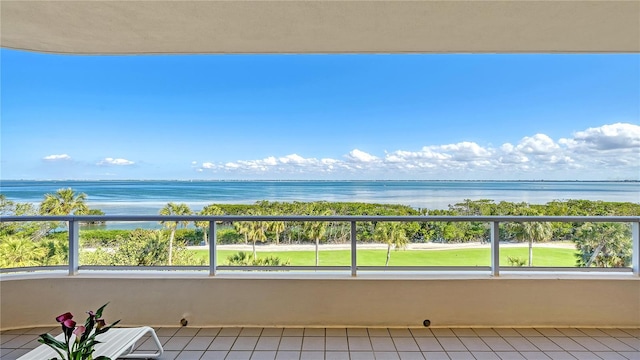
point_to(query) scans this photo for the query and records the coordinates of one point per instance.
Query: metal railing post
(213, 252)
(74, 247)
(635, 247)
(354, 265)
(495, 248)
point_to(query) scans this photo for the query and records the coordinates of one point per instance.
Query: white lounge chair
(115, 343)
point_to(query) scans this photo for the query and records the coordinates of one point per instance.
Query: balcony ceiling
(307, 26)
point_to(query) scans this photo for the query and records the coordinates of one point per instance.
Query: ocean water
(148, 197)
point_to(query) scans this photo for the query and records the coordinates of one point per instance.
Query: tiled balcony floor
(189, 343)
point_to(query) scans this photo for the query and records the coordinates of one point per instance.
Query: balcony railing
(213, 268)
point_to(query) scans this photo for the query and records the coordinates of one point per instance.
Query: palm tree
(17, 251)
(64, 202)
(204, 225)
(538, 232)
(244, 228)
(257, 233)
(277, 227)
(315, 230)
(174, 209)
(391, 234)
(532, 231)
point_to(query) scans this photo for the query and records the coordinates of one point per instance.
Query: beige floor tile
(410, 355)
(357, 332)
(442, 332)
(400, 332)
(451, 344)
(584, 355)
(190, 355)
(268, 343)
(288, 355)
(186, 331)
(435, 355)
(386, 355)
(289, 343)
(614, 344)
(464, 332)
(509, 355)
(485, 332)
(362, 355)
(263, 355)
(209, 331)
(567, 344)
(357, 343)
(337, 355)
(534, 355)
(197, 343)
(238, 355)
(405, 344)
(314, 332)
(383, 344)
(609, 355)
(337, 343)
(312, 355)
(559, 355)
(243, 343)
(485, 355)
(497, 344)
(429, 344)
(272, 332)
(222, 343)
(460, 355)
(422, 332)
(590, 344)
(313, 343)
(251, 331)
(229, 332)
(336, 332)
(378, 332)
(293, 332)
(474, 344)
(214, 355)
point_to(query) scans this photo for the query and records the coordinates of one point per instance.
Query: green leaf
(99, 311)
(49, 340)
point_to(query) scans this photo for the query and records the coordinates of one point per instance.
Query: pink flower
(91, 314)
(64, 317)
(100, 323)
(70, 324)
(79, 331)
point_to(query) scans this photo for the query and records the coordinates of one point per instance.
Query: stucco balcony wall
(602, 300)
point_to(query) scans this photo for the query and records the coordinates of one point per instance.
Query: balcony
(328, 296)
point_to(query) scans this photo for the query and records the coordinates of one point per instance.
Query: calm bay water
(148, 197)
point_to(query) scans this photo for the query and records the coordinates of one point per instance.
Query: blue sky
(458, 117)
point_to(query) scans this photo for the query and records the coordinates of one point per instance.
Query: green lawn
(558, 257)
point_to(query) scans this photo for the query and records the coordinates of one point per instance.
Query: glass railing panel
(279, 243)
(144, 245)
(33, 244)
(432, 244)
(536, 244)
(603, 244)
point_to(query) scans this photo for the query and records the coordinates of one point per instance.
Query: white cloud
(57, 157)
(610, 148)
(606, 137)
(361, 156)
(539, 144)
(116, 162)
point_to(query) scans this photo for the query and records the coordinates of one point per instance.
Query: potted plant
(79, 340)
